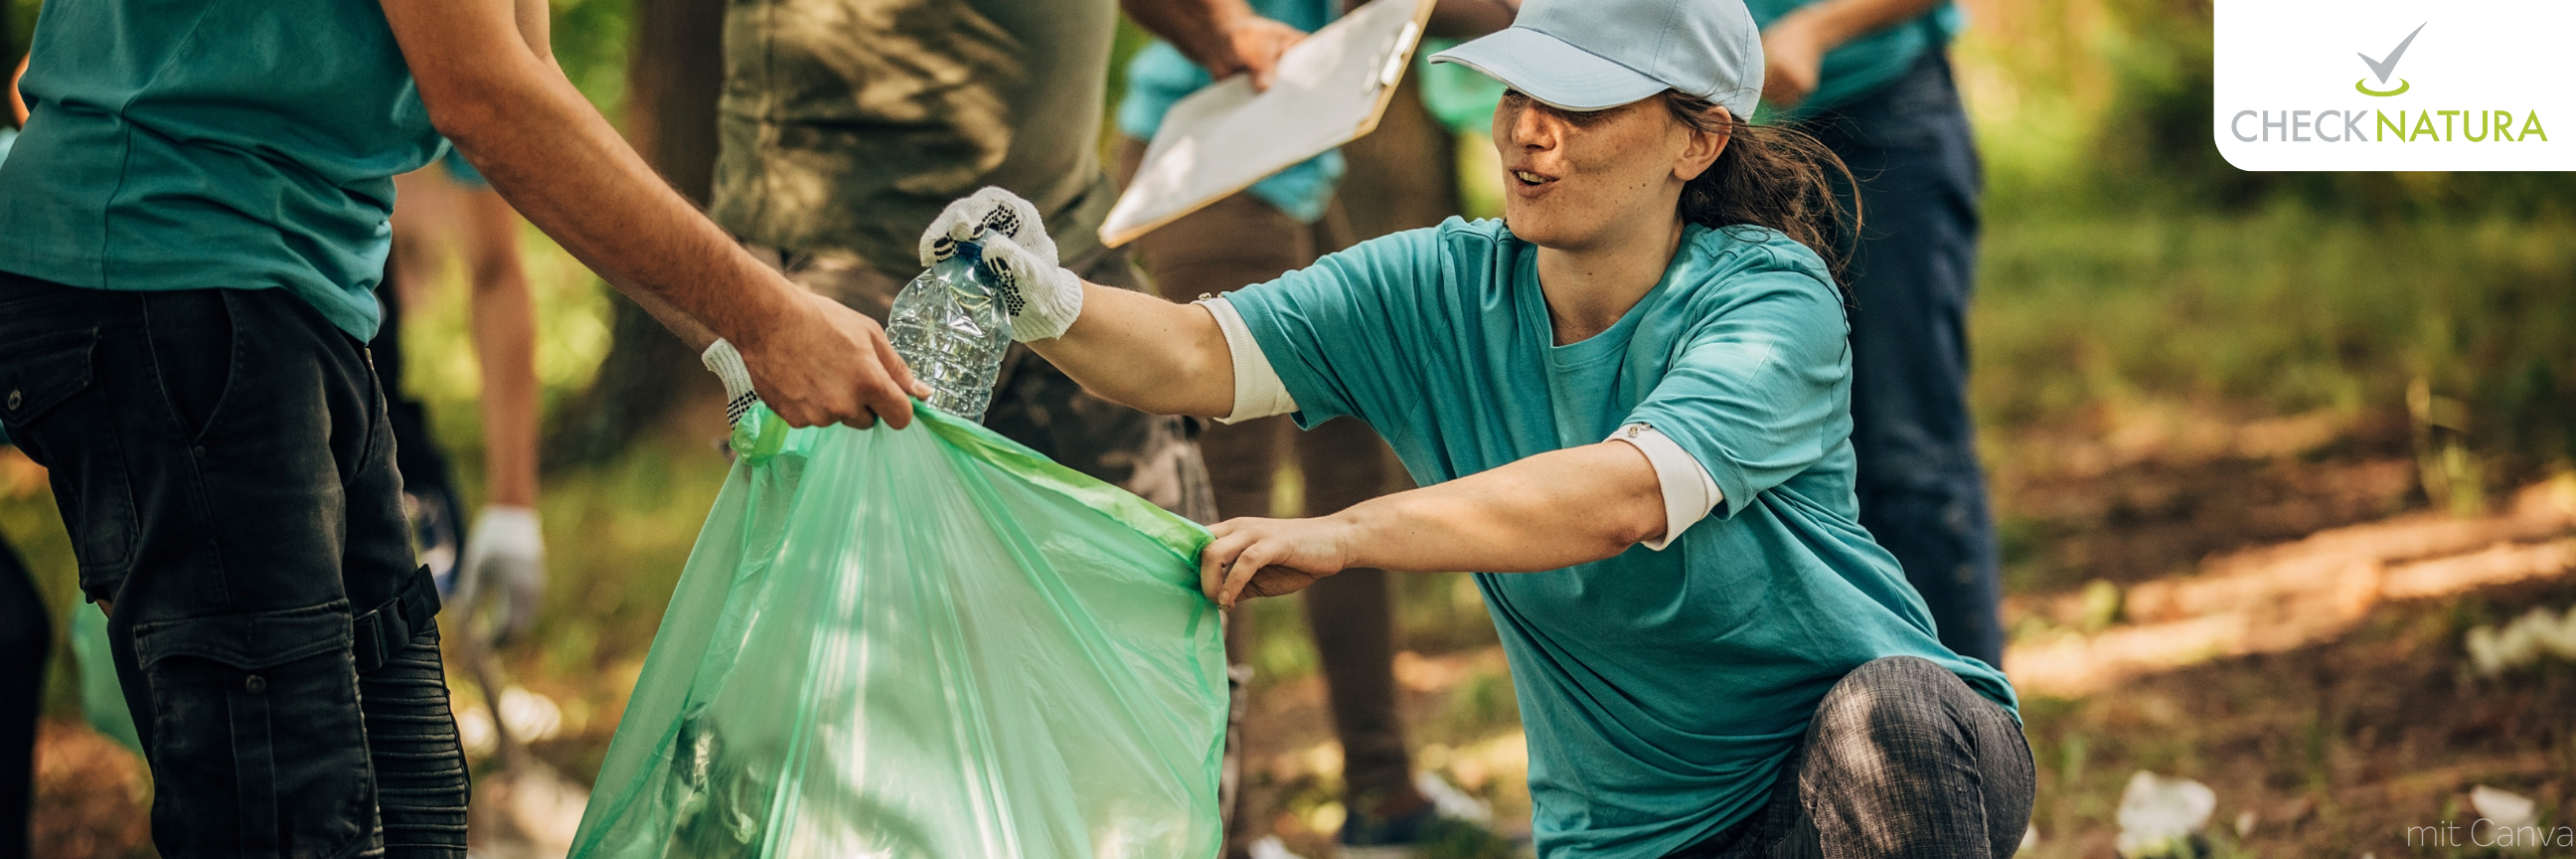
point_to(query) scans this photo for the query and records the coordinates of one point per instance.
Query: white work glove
(505, 555)
(722, 360)
(1042, 296)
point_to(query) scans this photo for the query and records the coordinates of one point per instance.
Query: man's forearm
(491, 87)
(1547, 512)
(692, 333)
(561, 165)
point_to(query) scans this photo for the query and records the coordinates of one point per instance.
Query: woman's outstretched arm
(1549, 511)
(1128, 347)
(1146, 353)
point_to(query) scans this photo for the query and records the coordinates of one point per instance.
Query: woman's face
(1570, 179)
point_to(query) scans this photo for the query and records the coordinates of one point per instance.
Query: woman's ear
(1704, 145)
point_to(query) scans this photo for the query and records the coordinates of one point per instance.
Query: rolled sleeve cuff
(1258, 390)
(1689, 492)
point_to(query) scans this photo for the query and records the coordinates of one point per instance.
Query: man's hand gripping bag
(926, 643)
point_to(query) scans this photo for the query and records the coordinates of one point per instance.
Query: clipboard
(1331, 88)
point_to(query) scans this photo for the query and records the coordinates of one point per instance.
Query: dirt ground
(2333, 749)
(2266, 607)
(90, 797)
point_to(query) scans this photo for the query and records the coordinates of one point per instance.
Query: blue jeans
(1922, 492)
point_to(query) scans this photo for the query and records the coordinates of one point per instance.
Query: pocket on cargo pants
(256, 735)
(53, 406)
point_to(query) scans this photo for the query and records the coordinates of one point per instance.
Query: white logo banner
(2383, 85)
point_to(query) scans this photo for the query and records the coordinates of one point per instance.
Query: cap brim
(1546, 68)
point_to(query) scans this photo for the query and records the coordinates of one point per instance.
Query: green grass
(2127, 264)
(2281, 310)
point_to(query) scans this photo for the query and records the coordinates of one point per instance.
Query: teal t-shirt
(1861, 66)
(1660, 690)
(185, 144)
(1160, 75)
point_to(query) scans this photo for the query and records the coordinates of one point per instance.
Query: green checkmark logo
(2383, 67)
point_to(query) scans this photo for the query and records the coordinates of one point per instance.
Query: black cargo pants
(224, 465)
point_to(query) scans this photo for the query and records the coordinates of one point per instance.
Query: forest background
(2183, 373)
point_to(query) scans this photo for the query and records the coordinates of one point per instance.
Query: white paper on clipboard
(1330, 89)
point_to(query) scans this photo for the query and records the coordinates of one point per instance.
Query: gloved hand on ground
(505, 562)
(1042, 295)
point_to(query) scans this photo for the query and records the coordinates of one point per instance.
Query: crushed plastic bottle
(952, 330)
(2164, 817)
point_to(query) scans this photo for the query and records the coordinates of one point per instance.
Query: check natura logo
(2286, 98)
(2381, 67)
(2342, 125)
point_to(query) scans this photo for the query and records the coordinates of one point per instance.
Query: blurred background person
(846, 125)
(500, 560)
(1871, 79)
(1282, 223)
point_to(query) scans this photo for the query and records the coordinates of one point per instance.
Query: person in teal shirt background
(1159, 75)
(1630, 406)
(1893, 36)
(1871, 79)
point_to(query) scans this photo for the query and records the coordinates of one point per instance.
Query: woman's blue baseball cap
(1595, 54)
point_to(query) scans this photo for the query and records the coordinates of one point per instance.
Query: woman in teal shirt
(1628, 405)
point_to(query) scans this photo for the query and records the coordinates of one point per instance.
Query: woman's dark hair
(1769, 176)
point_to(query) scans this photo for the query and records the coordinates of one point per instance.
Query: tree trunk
(673, 78)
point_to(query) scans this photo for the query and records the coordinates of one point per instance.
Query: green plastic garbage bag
(930, 642)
